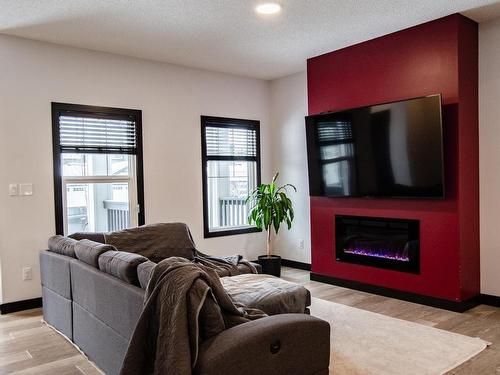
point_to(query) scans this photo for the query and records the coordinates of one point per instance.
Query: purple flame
(393, 254)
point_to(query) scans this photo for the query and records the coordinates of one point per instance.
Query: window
(98, 178)
(231, 169)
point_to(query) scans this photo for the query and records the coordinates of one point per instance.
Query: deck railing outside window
(118, 215)
(233, 212)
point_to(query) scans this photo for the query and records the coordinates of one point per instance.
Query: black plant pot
(270, 265)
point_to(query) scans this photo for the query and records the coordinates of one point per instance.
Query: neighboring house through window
(98, 178)
(231, 169)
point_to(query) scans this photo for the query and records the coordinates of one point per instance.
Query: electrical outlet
(301, 244)
(27, 273)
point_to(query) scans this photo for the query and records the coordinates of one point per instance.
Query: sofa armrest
(280, 344)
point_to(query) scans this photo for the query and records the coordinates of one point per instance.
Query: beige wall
(489, 154)
(32, 74)
(172, 98)
(288, 109)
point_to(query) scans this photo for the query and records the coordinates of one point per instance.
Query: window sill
(230, 232)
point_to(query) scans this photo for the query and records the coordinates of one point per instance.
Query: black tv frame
(313, 165)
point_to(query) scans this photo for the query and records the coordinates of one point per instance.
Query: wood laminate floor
(27, 346)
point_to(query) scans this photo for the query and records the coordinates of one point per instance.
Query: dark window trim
(225, 122)
(96, 112)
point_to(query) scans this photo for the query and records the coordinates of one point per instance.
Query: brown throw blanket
(163, 240)
(224, 265)
(184, 302)
(155, 241)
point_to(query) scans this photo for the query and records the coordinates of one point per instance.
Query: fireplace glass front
(378, 242)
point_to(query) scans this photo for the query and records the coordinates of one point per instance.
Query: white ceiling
(224, 35)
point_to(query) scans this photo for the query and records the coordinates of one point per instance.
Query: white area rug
(366, 343)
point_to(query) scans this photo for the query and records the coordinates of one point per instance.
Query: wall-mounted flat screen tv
(388, 150)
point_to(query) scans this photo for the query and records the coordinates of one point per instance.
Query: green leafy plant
(269, 207)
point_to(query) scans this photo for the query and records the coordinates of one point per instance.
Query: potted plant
(269, 208)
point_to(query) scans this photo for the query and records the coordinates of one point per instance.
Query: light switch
(13, 189)
(25, 189)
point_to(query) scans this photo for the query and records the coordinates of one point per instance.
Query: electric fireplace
(378, 242)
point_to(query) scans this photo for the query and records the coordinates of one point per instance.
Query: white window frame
(130, 180)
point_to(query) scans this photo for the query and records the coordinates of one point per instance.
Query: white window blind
(230, 142)
(334, 131)
(79, 134)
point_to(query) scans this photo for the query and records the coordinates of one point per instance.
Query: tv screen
(387, 150)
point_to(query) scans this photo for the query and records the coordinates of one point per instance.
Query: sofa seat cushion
(62, 245)
(122, 265)
(267, 293)
(89, 251)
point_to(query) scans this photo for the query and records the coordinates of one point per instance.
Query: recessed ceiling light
(268, 8)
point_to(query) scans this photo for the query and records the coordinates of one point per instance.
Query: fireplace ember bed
(378, 242)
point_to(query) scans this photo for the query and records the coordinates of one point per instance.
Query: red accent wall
(436, 57)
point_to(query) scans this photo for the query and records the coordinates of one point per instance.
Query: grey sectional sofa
(98, 312)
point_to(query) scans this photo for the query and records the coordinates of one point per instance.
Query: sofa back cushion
(62, 245)
(89, 251)
(122, 265)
